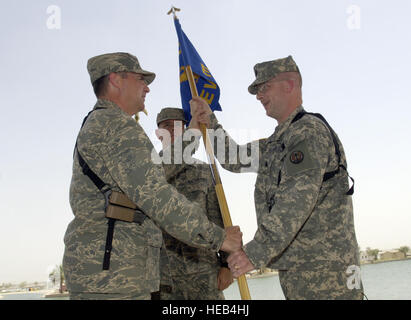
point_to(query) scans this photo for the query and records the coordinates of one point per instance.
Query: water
(387, 280)
(267, 288)
(382, 281)
(22, 296)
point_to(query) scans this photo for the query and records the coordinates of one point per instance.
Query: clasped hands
(238, 261)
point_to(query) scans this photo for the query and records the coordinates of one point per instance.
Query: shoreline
(42, 291)
(25, 292)
(275, 273)
(383, 261)
(51, 293)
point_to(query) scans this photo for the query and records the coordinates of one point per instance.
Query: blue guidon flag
(206, 85)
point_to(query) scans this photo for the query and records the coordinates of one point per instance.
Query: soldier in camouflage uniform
(116, 148)
(304, 211)
(189, 273)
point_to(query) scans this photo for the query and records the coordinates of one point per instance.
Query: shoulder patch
(298, 159)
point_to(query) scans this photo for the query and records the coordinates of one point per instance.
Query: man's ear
(289, 87)
(114, 80)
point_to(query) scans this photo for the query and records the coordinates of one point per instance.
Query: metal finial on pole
(173, 11)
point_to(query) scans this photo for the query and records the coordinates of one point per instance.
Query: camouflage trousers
(318, 285)
(108, 296)
(201, 286)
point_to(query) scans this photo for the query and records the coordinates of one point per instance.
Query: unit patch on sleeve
(299, 159)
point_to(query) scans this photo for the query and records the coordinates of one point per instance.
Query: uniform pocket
(152, 263)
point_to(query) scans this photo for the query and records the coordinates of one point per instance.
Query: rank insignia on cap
(296, 157)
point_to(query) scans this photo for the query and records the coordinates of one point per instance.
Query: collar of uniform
(103, 103)
(281, 128)
(107, 104)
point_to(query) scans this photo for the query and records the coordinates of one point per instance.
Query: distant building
(391, 255)
(365, 258)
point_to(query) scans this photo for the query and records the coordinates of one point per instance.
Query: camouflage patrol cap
(170, 114)
(265, 71)
(104, 64)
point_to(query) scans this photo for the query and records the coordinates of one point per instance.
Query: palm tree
(53, 276)
(372, 252)
(61, 278)
(404, 250)
(57, 275)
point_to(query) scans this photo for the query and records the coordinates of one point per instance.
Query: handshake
(238, 261)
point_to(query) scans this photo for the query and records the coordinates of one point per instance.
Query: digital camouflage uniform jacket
(117, 149)
(194, 181)
(310, 223)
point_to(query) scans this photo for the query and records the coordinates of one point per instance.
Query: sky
(353, 57)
